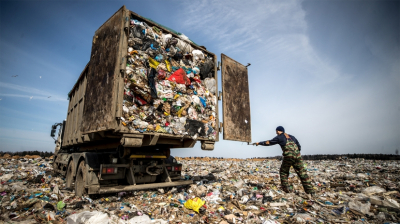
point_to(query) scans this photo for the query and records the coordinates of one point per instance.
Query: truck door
(104, 74)
(235, 100)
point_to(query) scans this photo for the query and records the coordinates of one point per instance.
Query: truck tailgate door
(103, 75)
(235, 100)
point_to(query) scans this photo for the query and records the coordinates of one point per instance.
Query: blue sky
(328, 71)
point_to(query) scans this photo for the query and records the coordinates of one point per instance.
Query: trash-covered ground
(225, 191)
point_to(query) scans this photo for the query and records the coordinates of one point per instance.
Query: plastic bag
(239, 184)
(193, 115)
(381, 216)
(196, 100)
(210, 83)
(138, 32)
(152, 83)
(166, 38)
(168, 65)
(206, 68)
(303, 216)
(184, 46)
(386, 202)
(360, 207)
(194, 204)
(195, 127)
(60, 205)
(203, 101)
(153, 63)
(244, 199)
(373, 190)
(180, 77)
(6, 177)
(197, 55)
(88, 218)
(140, 219)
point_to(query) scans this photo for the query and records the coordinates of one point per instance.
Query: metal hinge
(219, 66)
(126, 26)
(220, 127)
(122, 68)
(220, 95)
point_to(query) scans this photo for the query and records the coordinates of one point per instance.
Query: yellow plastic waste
(160, 129)
(153, 63)
(180, 111)
(194, 204)
(168, 65)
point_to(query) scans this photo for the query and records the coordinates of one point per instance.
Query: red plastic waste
(179, 76)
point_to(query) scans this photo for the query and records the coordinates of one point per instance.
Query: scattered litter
(224, 191)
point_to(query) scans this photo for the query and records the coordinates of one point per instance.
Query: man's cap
(280, 128)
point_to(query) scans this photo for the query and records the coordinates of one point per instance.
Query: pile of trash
(223, 191)
(169, 85)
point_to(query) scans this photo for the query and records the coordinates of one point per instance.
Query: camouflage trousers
(292, 157)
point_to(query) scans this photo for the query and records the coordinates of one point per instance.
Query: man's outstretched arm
(273, 141)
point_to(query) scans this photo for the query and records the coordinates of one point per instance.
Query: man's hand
(256, 143)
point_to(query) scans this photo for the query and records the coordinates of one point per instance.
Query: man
(291, 157)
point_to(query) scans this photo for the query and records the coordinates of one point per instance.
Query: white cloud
(272, 33)
(34, 94)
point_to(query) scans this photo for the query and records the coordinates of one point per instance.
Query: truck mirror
(53, 132)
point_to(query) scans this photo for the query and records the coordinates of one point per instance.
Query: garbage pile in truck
(224, 191)
(169, 85)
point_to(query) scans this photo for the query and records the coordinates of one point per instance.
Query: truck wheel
(70, 175)
(80, 180)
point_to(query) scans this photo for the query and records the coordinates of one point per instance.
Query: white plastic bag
(6, 177)
(144, 219)
(277, 204)
(381, 216)
(88, 218)
(373, 190)
(303, 216)
(244, 199)
(197, 55)
(210, 83)
(239, 184)
(360, 207)
(166, 38)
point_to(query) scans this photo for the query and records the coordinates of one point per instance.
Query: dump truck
(98, 152)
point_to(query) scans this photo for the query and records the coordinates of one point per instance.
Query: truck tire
(80, 180)
(69, 177)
